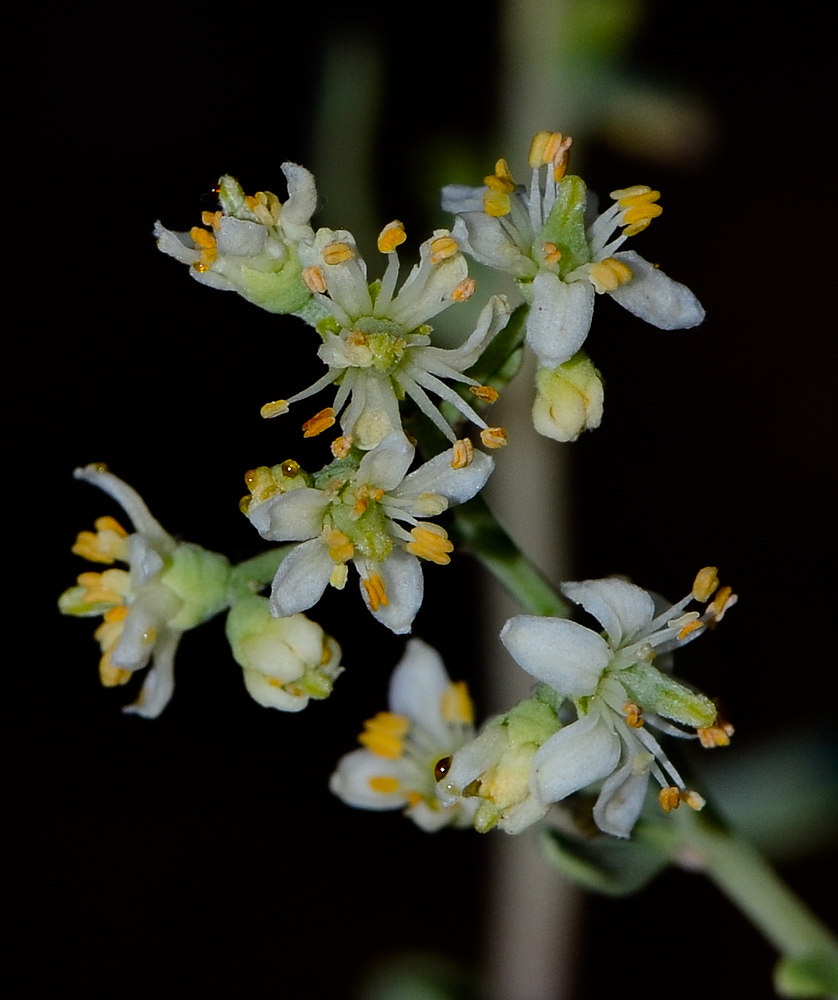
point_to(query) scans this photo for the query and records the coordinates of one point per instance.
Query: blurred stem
(743, 875)
(478, 530)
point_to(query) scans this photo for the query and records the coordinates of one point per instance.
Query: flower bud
(568, 399)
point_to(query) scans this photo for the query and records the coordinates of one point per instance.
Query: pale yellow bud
(568, 399)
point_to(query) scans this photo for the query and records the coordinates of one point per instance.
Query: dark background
(201, 852)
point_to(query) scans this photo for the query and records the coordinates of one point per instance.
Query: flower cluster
(168, 587)
(611, 685)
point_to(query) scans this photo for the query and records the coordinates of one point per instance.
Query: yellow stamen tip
(496, 203)
(705, 583)
(381, 783)
(669, 798)
(493, 437)
(430, 542)
(341, 446)
(376, 594)
(320, 422)
(633, 714)
(391, 236)
(337, 253)
(313, 279)
(485, 393)
(464, 291)
(274, 409)
(463, 454)
(456, 704)
(442, 248)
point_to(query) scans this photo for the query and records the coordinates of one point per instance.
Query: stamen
(484, 392)
(117, 614)
(337, 253)
(382, 783)
(464, 291)
(211, 219)
(722, 602)
(501, 180)
(339, 576)
(537, 146)
(340, 546)
(110, 675)
(556, 152)
(430, 542)
(341, 446)
(552, 254)
(391, 236)
(693, 800)
(496, 203)
(669, 798)
(384, 734)
(274, 409)
(689, 628)
(706, 582)
(320, 422)
(717, 735)
(463, 454)
(376, 594)
(633, 714)
(456, 704)
(609, 274)
(313, 279)
(493, 437)
(622, 194)
(202, 238)
(442, 248)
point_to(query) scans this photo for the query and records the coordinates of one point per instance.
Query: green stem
(477, 529)
(744, 876)
(253, 574)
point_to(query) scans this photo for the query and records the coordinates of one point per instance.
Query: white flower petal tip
(538, 235)
(616, 690)
(404, 748)
(373, 514)
(165, 588)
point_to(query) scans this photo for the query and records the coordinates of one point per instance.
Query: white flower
(353, 513)
(169, 587)
(251, 246)
(376, 341)
(286, 661)
(539, 237)
(615, 689)
(407, 748)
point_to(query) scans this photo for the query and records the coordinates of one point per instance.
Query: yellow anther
(552, 254)
(609, 274)
(381, 783)
(717, 735)
(313, 279)
(537, 147)
(414, 798)
(689, 628)
(625, 195)
(493, 437)
(341, 446)
(669, 798)
(641, 213)
(391, 236)
(108, 523)
(636, 228)
(722, 602)
(463, 454)
(101, 588)
(376, 594)
(211, 219)
(337, 253)
(464, 291)
(430, 542)
(456, 703)
(633, 714)
(442, 248)
(485, 393)
(320, 422)
(117, 614)
(705, 583)
(110, 675)
(496, 203)
(201, 238)
(384, 734)
(693, 800)
(105, 545)
(339, 576)
(274, 409)
(340, 547)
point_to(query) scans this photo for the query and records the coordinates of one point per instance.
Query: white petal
(522, 815)
(387, 465)
(655, 297)
(130, 501)
(159, 683)
(621, 608)
(560, 317)
(290, 517)
(572, 758)
(302, 577)
(432, 818)
(154, 606)
(302, 201)
(351, 780)
(567, 656)
(486, 240)
(621, 801)
(269, 695)
(458, 198)
(437, 476)
(472, 760)
(417, 687)
(404, 587)
(240, 237)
